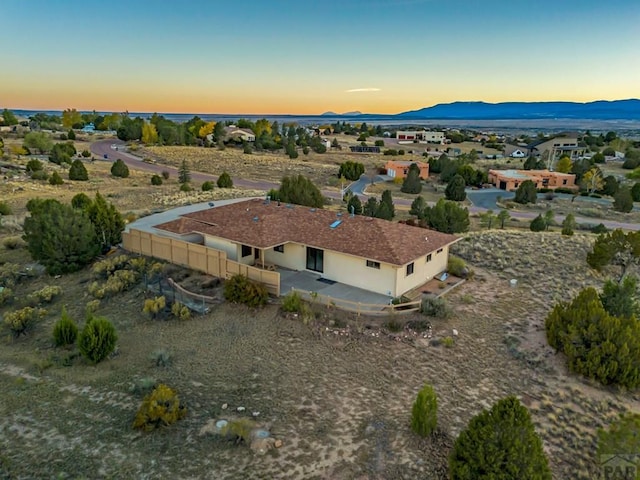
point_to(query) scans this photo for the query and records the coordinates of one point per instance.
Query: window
(564, 182)
(439, 250)
(428, 258)
(246, 251)
(372, 264)
(279, 248)
(410, 269)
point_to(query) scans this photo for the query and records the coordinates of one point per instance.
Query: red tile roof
(262, 224)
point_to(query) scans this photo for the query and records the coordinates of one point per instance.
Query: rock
(261, 445)
(208, 428)
(197, 384)
(240, 409)
(255, 414)
(455, 332)
(225, 406)
(277, 443)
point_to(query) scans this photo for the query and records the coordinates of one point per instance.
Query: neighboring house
(369, 253)
(557, 147)
(89, 128)
(400, 169)
(420, 136)
(511, 179)
(518, 154)
(233, 132)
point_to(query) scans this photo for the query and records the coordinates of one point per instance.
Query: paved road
(108, 147)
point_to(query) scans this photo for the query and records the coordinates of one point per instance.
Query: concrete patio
(309, 281)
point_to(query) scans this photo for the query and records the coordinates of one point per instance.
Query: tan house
(553, 148)
(400, 169)
(420, 136)
(511, 179)
(369, 253)
(239, 133)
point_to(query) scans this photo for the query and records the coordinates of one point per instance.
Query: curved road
(113, 149)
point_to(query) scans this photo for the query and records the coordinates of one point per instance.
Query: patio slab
(305, 280)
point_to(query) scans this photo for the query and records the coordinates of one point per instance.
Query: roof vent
(335, 224)
(312, 210)
(339, 214)
(255, 219)
(289, 205)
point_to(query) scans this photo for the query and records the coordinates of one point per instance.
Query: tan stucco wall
(354, 271)
(294, 256)
(231, 249)
(423, 271)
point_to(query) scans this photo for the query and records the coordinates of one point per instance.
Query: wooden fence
(373, 309)
(198, 257)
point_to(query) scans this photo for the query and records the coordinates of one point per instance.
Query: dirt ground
(338, 391)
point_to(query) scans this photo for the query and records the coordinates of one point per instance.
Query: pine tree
(538, 224)
(55, 179)
(455, 189)
(526, 193)
(225, 181)
(184, 175)
(568, 225)
(412, 183)
(371, 207)
(500, 443)
(503, 217)
(386, 209)
(77, 171)
(622, 200)
(418, 207)
(107, 221)
(300, 191)
(447, 217)
(354, 205)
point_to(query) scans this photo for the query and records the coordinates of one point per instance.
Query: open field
(337, 391)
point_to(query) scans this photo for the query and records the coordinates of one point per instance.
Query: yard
(337, 390)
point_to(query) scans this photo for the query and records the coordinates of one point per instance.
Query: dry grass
(340, 401)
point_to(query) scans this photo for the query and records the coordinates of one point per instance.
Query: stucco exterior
(423, 271)
(420, 136)
(400, 169)
(511, 179)
(230, 248)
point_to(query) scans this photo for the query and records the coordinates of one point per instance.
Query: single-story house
(369, 253)
(400, 169)
(511, 179)
(420, 136)
(233, 132)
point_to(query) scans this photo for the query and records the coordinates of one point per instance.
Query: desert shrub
(526, 193)
(239, 289)
(92, 306)
(6, 296)
(185, 187)
(44, 295)
(11, 243)
(351, 170)
(77, 171)
(564, 190)
(34, 165)
(207, 186)
(600, 228)
(97, 340)
(597, 344)
(538, 224)
(156, 180)
(55, 179)
(448, 342)
(154, 306)
(424, 414)
(434, 307)
(21, 321)
(143, 386)
(620, 299)
(165, 175)
(86, 153)
(180, 311)
(5, 209)
(119, 169)
(457, 266)
(394, 325)
(161, 358)
(499, 443)
(224, 181)
(40, 175)
(239, 430)
(65, 331)
(105, 268)
(161, 407)
(621, 438)
(9, 274)
(138, 264)
(120, 281)
(292, 302)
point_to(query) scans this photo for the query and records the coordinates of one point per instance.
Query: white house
(420, 136)
(369, 253)
(239, 133)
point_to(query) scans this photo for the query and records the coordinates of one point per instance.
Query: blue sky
(286, 56)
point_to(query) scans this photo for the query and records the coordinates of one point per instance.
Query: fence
(198, 257)
(373, 309)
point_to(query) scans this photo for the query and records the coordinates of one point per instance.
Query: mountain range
(598, 110)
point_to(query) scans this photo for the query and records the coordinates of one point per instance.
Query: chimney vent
(255, 219)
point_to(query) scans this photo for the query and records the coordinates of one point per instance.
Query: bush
(21, 321)
(185, 187)
(154, 306)
(239, 430)
(156, 180)
(12, 243)
(120, 281)
(86, 153)
(538, 224)
(448, 342)
(500, 443)
(6, 296)
(207, 186)
(621, 438)
(34, 165)
(526, 193)
(351, 170)
(97, 340)
(105, 268)
(424, 414)
(55, 179)
(457, 266)
(434, 307)
(5, 209)
(44, 295)
(161, 358)
(600, 228)
(239, 289)
(161, 407)
(180, 311)
(292, 302)
(224, 181)
(165, 175)
(65, 331)
(78, 172)
(564, 190)
(379, 143)
(119, 169)
(597, 344)
(40, 175)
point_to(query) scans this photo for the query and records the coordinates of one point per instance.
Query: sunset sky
(308, 57)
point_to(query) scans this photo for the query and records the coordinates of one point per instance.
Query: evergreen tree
(623, 201)
(424, 414)
(386, 210)
(351, 170)
(635, 192)
(156, 180)
(568, 225)
(455, 189)
(616, 248)
(60, 237)
(621, 438)
(77, 171)
(224, 181)
(500, 443)
(503, 217)
(371, 207)
(55, 179)
(418, 207)
(107, 221)
(300, 191)
(80, 201)
(119, 169)
(184, 175)
(447, 217)
(97, 339)
(71, 135)
(621, 299)
(611, 186)
(538, 224)
(412, 183)
(354, 205)
(526, 193)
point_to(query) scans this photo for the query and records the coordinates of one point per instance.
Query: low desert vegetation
(97, 340)
(424, 413)
(161, 408)
(239, 289)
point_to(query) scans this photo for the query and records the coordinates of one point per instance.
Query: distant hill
(598, 110)
(345, 114)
